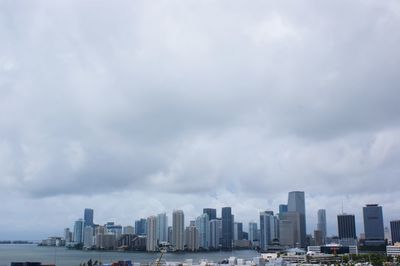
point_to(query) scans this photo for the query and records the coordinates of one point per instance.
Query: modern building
(373, 225)
(267, 227)
(67, 235)
(347, 229)
(88, 217)
(88, 237)
(321, 224)
(212, 213)
(203, 228)
(237, 231)
(215, 233)
(296, 203)
(140, 227)
(78, 231)
(253, 231)
(178, 237)
(192, 238)
(162, 227)
(227, 228)
(151, 237)
(289, 229)
(395, 231)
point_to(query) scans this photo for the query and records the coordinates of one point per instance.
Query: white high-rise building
(178, 236)
(321, 225)
(151, 237)
(162, 227)
(203, 227)
(88, 237)
(215, 233)
(252, 231)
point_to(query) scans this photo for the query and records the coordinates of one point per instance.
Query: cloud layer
(196, 104)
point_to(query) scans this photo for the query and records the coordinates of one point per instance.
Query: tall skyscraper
(192, 237)
(88, 237)
(289, 229)
(178, 237)
(227, 228)
(395, 231)
(203, 228)
(347, 229)
(237, 231)
(141, 227)
(162, 227)
(267, 227)
(321, 225)
(212, 213)
(88, 217)
(215, 233)
(151, 237)
(78, 231)
(252, 231)
(296, 203)
(373, 225)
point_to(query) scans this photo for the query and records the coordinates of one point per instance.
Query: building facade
(296, 203)
(178, 236)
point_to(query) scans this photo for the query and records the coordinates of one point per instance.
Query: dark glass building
(212, 213)
(227, 228)
(346, 226)
(141, 227)
(395, 231)
(296, 203)
(373, 225)
(88, 217)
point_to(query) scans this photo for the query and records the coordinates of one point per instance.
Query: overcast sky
(139, 107)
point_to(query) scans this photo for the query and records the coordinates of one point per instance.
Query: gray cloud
(225, 101)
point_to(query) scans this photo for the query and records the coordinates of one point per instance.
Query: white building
(178, 236)
(88, 237)
(151, 238)
(162, 227)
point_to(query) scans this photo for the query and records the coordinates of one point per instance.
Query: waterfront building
(88, 237)
(67, 235)
(203, 228)
(237, 231)
(267, 227)
(192, 237)
(395, 231)
(170, 234)
(212, 213)
(112, 228)
(296, 203)
(162, 227)
(151, 237)
(321, 224)
(178, 222)
(227, 228)
(78, 231)
(88, 217)
(128, 230)
(252, 231)
(373, 225)
(140, 227)
(215, 233)
(347, 229)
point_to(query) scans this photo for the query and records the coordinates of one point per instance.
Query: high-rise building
(88, 237)
(88, 217)
(296, 203)
(141, 227)
(237, 231)
(151, 236)
(289, 229)
(192, 237)
(203, 228)
(321, 225)
(78, 231)
(347, 229)
(267, 227)
(318, 238)
(212, 213)
(178, 237)
(215, 233)
(170, 234)
(373, 225)
(395, 231)
(67, 235)
(227, 228)
(162, 227)
(252, 231)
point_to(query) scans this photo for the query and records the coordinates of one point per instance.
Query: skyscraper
(78, 231)
(141, 227)
(321, 225)
(203, 228)
(88, 237)
(347, 229)
(373, 225)
(88, 217)
(267, 227)
(252, 231)
(296, 203)
(212, 213)
(237, 231)
(289, 229)
(151, 237)
(178, 222)
(227, 228)
(192, 237)
(162, 227)
(395, 231)
(215, 233)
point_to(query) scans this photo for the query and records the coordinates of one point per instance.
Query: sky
(134, 108)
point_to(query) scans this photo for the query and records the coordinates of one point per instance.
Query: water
(64, 257)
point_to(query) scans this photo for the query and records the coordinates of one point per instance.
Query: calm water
(64, 257)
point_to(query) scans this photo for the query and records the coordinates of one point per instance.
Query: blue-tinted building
(88, 217)
(227, 228)
(395, 231)
(212, 213)
(296, 203)
(373, 225)
(141, 227)
(78, 231)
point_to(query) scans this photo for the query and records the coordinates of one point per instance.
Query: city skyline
(136, 108)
